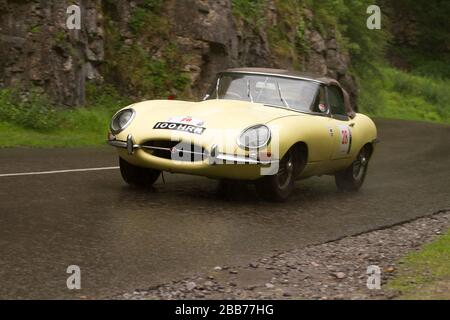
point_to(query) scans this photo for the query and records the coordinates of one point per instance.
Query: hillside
(133, 50)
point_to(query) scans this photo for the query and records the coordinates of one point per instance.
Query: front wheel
(352, 178)
(279, 187)
(138, 176)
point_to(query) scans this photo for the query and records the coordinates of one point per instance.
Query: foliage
(346, 19)
(250, 11)
(105, 97)
(151, 66)
(428, 53)
(31, 111)
(147, 16)
(287, 38)
(149, 77)
(393, 93)
(34, 121)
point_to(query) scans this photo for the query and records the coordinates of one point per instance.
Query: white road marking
(55, 172)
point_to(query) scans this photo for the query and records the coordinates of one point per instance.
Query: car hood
(215, 114)
(223, 121)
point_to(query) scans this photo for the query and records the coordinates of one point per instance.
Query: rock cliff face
(37, 49)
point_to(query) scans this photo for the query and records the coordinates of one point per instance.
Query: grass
(391, 93)
(83, 127)
(16, 136)
(35, 123)
(156, 70)
(425, 274)
(31, 121)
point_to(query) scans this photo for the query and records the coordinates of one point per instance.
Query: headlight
(254, 137)
(121, 120)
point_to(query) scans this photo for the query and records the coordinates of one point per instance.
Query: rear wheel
(352, 178)
(138, 176)
(279, 187)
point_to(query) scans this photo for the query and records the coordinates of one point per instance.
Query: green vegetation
(346, 19)
(147, 17)
(425, 274)
(250, 11)
(35, 29)
(148, 64)
(130, 71)
(148, 77)
(429, 53)
(391, 93)
(32, 111)
(31, 121)
(154, 72)
(385, 91)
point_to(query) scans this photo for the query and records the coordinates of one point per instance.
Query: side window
(320, 100)
(336, 98)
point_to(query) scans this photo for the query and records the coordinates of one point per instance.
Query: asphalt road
(124, 239)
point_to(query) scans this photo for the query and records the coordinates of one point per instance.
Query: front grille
(175, 150)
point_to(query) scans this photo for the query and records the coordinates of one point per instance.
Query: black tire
(352, 178)
(278, 187)
(138, 176)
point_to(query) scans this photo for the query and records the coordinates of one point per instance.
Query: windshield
(270, 90)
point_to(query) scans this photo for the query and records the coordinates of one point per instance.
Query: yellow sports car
(267, 126)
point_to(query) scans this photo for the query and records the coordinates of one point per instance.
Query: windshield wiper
(217, 88)
(281, 96)
(249, 93)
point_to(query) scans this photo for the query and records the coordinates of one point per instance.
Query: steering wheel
(234, 94)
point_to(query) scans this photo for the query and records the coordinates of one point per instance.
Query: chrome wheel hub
(359, 166)
(289, 167)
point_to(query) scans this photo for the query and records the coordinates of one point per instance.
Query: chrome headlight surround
(121, 120)
(248, 143)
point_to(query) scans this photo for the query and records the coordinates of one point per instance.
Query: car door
(323, 127)
(342, 127)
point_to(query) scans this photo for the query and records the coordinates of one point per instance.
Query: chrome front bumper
(214, 157)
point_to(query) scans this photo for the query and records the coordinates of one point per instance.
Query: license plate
(179, 127)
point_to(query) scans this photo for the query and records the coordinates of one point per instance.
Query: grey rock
(209, 283)
(269, 286)
(190, 286)
(340, 275)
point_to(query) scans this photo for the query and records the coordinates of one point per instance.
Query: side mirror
(323, 108)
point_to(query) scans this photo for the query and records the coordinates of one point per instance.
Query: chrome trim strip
(155, 148)
(117, 144)
(213, 155)
(275, 75)
(172, 150)
(129, 145)
(133, 115)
